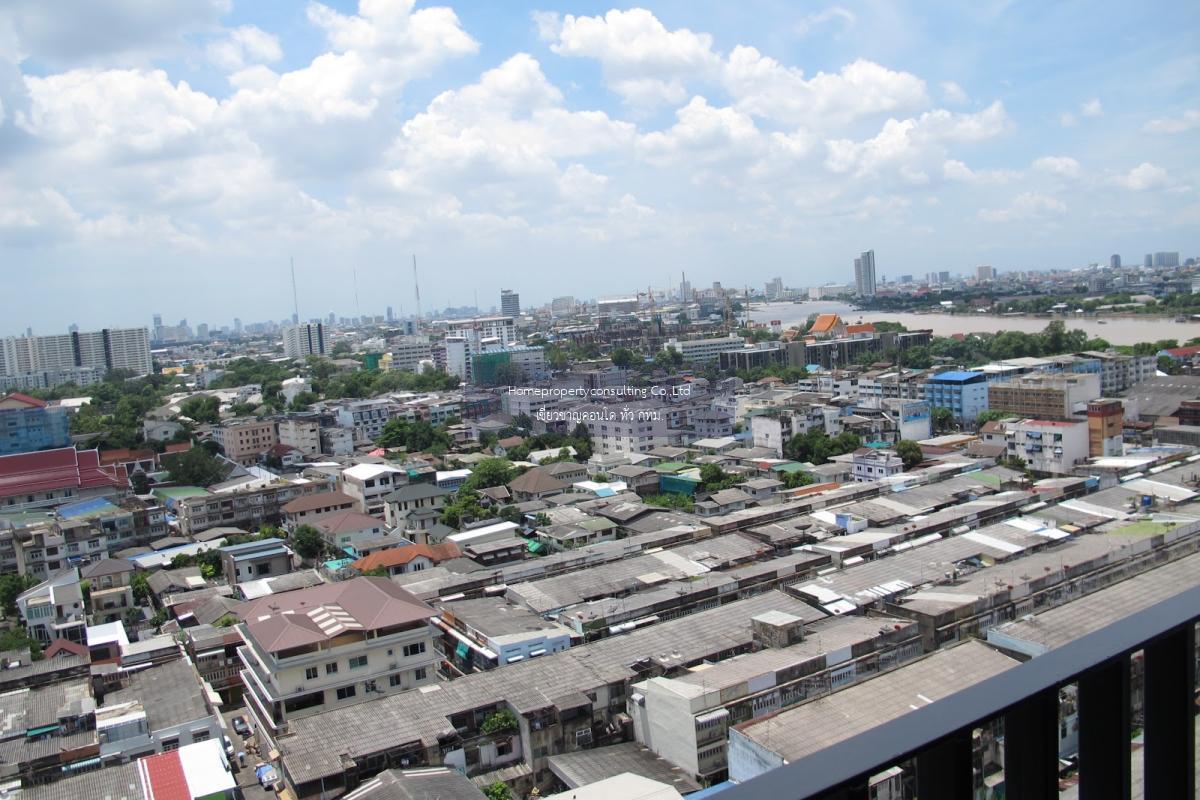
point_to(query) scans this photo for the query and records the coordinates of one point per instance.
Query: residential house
(568, 471)
(333, 645)
(244, 441)
(411, 558)
(415, 506)
(1047, 446)
(491, 632)
(308, 509)
(641, 479)
(723, 502)
(251, 561)
(54, 608)
(369, 484)
(536, 483)
(344, 531)
(110, 594)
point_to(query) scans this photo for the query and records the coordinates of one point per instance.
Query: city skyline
(590, 148)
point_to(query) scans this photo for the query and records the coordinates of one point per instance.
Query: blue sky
(170, 157)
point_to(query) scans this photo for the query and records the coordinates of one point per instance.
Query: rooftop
(312, 502)
(584, 767)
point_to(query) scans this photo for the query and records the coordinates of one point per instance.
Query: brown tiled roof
(23, 399)
(311, 502)
(824, 323)
(320, 613)
(347, 521)
(395, 556)
(536, 481)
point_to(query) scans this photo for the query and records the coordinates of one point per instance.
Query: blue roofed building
(28, 424)
(965, 393)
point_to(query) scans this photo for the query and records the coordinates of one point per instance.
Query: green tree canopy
(308, 542)
(909, 452)
(202, 408)
(195, 467)
(490, 472)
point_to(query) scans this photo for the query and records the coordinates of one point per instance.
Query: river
(1115, 330)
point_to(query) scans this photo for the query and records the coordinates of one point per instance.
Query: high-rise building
(1166, 259)
(237, 326)
(390, 315)
(1148, 261)
(685, 289)
(28, 424)
(864, 274)
(301, 341)
(1114, 261)
(944, 277)
(562, 306)
(103, 350)
(510, 303)
(985, 273)
(774, 288)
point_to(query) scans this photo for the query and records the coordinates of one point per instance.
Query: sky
(171, 156)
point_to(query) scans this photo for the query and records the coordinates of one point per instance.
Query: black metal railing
(938, 736)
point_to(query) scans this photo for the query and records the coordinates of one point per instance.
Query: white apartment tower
(864, 274)
(301, 341)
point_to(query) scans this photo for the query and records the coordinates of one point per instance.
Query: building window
(394, 679)
(419, 674)
(170, 744)
(414, 649)
(346, 692)
(504, 747)
(310, 674)
(358, 661)
(331, 668)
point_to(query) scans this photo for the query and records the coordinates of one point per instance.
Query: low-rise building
(491, 632)
(28, 424)
(871, 464)
(248, 509)
(308, 509)
(334, 645)
(699, 351)
(364, 418)
(54, 608)
(302, 432)
(407, 558)
(252, 561)
(344, 531)
(110, 594)
(244, 441)
(369, 484)
(415, 506)
(51, 477)
(1049, 446)
(964, 393)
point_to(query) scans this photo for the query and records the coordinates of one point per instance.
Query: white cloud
(1067, 120)
(1188, 120)
(703, 134)
(1062, 166)
(1027, 206)
(1143, 177)
(69, 33)
(762, 86)
(955, 170)
(954, 94)
(642, 61)
(247, 44)
(1091, 108)
(838, 14)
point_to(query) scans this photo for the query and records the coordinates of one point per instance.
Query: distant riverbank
(1124, 330)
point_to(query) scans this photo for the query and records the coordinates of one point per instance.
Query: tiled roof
(23, 399)
(309, 616)
(311, 502)
(824, 323)
(347, 521)
(395, 556)
(536, 481)
(61, 468)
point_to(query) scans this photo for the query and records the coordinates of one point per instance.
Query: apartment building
(964, 393)
(110, 594)
(407, 353)
(54, 608)
(301, 341)
(1106, 422)
(310, 508)
(365, 418)
(79, 533)
(635, 429)
(370, 484)
(415, 506)
(1043, 395)
(871, 464)
(246, 509)
(1119, 373)
(28, 424)
(501, 328)
(99, 351)
(245, 440)
(302, 432)
(699, 351)
(1047, 446)
(491, 632)
(329, 646)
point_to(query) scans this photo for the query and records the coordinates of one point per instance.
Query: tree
(11, 586)
(541, 520)
(19, 639)
(523, 422)
(490, 472)
(139, 483)
(341, 348)
(623, 357)
(796, 479)
(203, 408)
(682, 318)
(991, 415)
(500, 721)
(943, 418)
(497, 790)
(196, 467)
(909, 452)
(308, 542)
(140, 584)
(302, 401)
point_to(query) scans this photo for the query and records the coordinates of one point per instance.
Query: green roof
(1144, 527)
(673, 466)
(180, 492)
(788, 467)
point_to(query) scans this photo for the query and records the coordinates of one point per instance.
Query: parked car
(228, 747)
(267, 776)
(239, 725)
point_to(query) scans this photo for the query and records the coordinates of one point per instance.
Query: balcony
(937, 737)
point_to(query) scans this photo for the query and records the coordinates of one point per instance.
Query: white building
(701, 350)
(301, 341)
(459, 351)
(302, 433)
(101, 351)
(337, 644)
(54, 608)
(368, 484)
(294, 386)
(871, 464)
(365, 418)
(499, 328)
(635, 429)
(407, 353)
(1047, 445)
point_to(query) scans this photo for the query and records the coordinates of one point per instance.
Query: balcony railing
(938, 736)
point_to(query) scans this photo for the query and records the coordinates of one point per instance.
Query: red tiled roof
(344, 521)
(1183, 352)
(123, 454)
(60, 646)
(163, 776)
(864, 327)
(396, 556)
(25, 399)
(177, 447)
(824, 323)
(61, 468)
